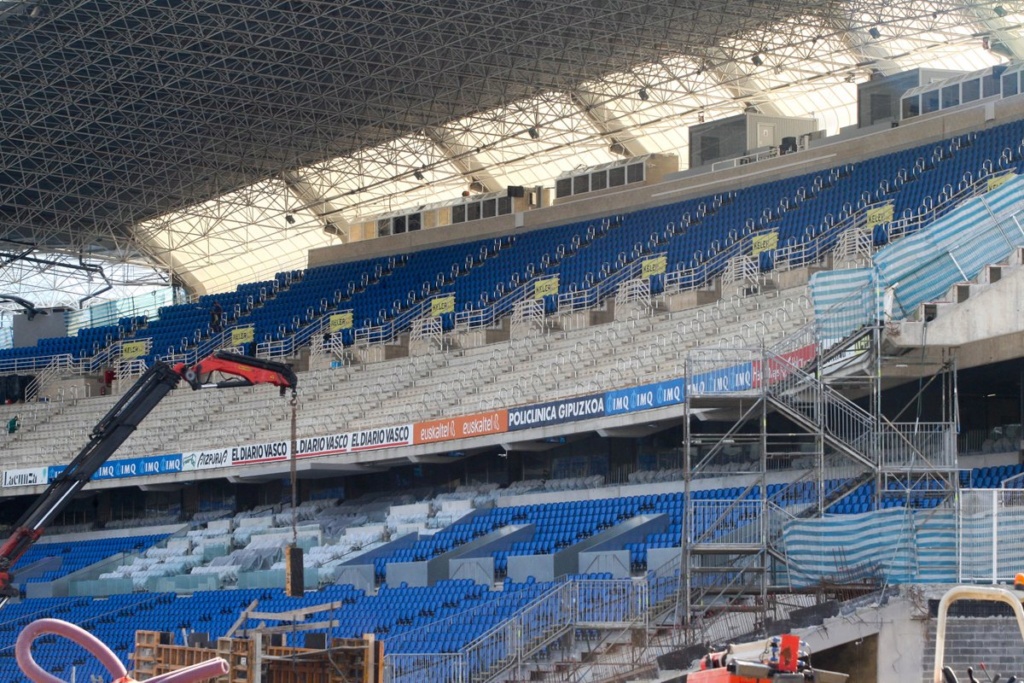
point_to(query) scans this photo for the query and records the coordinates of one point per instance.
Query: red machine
(776, 660)
(117, 425)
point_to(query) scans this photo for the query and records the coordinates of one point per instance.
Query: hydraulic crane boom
(117, 425)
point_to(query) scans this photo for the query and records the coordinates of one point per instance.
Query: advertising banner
(28, 476)
(208, 459)
(314, 446)
(654, 266)
(442, 304)
(764, 242)
(546, 287)
(734, 378)
(383, 437)
(649, 396)
(995, 182)
(133, 349)
(462, 427)
(779, 369)
(556, 412)
(879, 214)
(242, 335)
(340, 321)
(259, 453)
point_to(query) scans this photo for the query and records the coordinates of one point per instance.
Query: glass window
(635, 173)
(489, 208)
(383, 227)
(970, 90)
(989, 85)
(616, 176)
(581, 184)
(504, 206)
(598, 180)
(563, 187)
(911, 106)
(459, 213)
(1010, 84)
(398, 225)
(930, 102)
(950, 96)
(413, 222)
(473, 211)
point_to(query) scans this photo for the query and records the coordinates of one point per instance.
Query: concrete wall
(28, 332)
(996, 641)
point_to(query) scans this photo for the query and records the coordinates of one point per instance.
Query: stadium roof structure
(212, 142)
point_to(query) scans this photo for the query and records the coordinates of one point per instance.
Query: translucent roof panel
(326, 126)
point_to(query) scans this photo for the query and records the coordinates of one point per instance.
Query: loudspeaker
(516, 191)
(294, 580)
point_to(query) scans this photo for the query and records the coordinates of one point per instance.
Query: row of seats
(689, 233)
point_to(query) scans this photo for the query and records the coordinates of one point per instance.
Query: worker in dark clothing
(13, 424)
(216, 318)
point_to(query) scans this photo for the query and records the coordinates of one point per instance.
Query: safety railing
(577, 603)
(726, 522)
(990, 544)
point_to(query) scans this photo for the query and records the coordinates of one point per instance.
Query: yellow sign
(546, 287)
(340, 321)
(242, 335)
(879, 214)
(998, 181)
(654, 266)
(442, 304)
(133, 349)
(764, 242)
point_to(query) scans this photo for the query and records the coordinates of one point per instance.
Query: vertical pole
(995, 536)
(765, 540)
(684, 542)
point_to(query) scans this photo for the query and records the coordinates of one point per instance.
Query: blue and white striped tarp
(898, 545)
(844, 301)
(952, 249)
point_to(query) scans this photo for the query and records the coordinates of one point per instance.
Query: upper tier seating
(690, 233)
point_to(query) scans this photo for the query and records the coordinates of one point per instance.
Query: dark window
(950, 96)
(398, 224)
(489, 208)
(635, 173)
(598, 180)
(990, 85)
(413, 222)
(616, 176)
(911, 106)
(930, 102)
(504, 205)
(459, 213)
(1010, 85)
(881, 106)
(970, 90)
(473, 211)
(581, 184)
(563, 187)
(709, 146)
(383, 227)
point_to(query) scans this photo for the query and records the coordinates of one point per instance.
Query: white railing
(990, 543)
(726, 522)
(428, 329)
(637, 290)
(579, 603)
